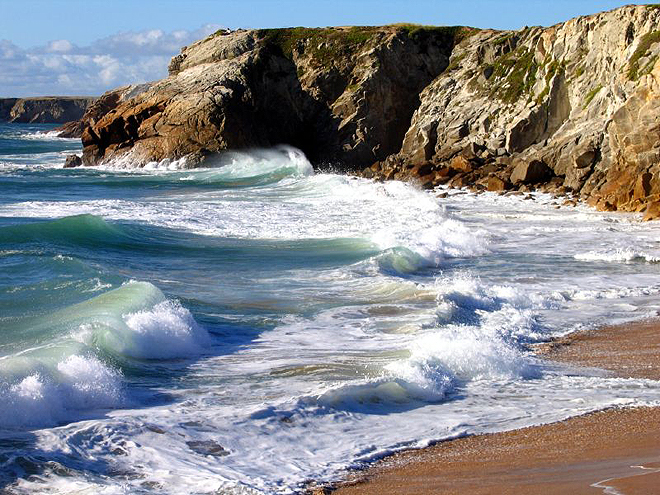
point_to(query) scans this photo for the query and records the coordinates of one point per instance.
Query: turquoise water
(253, 325)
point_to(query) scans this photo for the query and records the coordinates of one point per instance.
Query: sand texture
(612, 451)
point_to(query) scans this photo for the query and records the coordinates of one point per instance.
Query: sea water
(253, 325)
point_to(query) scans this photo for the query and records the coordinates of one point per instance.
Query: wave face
(250, 325)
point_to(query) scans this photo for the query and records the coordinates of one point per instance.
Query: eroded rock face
(342, 95)
(569, 108)
(97, 109)
(580, 98)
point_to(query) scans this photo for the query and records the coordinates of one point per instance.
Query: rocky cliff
(47, 109)
(97, 108)
(342, 95)
(573, 107)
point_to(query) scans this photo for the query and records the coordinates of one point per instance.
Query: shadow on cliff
(280, 111)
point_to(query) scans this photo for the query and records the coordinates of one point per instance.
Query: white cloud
(60, 46)
(63, 68)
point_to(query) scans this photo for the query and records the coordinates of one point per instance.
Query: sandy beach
(611, 451)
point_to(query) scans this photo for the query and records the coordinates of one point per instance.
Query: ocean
(251, 326)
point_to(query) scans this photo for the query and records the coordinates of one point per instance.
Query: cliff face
(6, 104)
(573, 107)
(580, 97)
(43, 110)
(342, 95)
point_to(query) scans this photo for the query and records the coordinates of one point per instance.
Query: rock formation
(6, 104)
(573, 107)
(342, 95)
(43, 110)
(98, 108)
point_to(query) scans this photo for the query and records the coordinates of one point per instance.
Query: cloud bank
(63, 68)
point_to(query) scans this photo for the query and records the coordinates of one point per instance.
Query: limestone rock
(461, 164)
(496, 184)
(652, 211)
(580, 97)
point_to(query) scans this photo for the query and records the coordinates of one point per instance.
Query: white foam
(54, 394)
(465, 356)
(348, 361)
(618, 255)
(136, 320)
(406, 385)
(168, 330)
(47, 136)
(285, 160)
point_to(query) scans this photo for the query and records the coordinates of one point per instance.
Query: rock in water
(72, 161)
(342, 95)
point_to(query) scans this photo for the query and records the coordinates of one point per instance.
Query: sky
(86, 47)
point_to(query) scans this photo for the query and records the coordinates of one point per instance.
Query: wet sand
(617, 450)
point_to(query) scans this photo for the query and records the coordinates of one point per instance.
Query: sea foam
(54, 394)
(167, 330)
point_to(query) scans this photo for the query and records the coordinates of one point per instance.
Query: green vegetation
(554, 67)
(591, 95)
(456, 62)
(324, 44)
(514, 74)
(503, 39)
(446, 34)
(579, 71)
(645, 44)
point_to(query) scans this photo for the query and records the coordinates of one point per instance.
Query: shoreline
(616, 449)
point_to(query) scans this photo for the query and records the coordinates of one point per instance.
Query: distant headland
(44, 109)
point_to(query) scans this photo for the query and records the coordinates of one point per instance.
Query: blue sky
(90, 46)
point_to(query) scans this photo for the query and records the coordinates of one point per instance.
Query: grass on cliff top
(447, 34)
(647, 41)
(326, 44)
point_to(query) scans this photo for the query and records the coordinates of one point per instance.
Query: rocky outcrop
(98, 108)
(6, 104)
(576, 104)
(72, 161)
(342, 95)
(43, 110)
(569, 108)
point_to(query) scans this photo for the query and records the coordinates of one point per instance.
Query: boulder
(652, 211)
(461, 164)
(496, 184)
(532, 172)
(72, 161)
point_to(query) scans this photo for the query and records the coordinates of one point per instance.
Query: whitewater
(254, 325)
